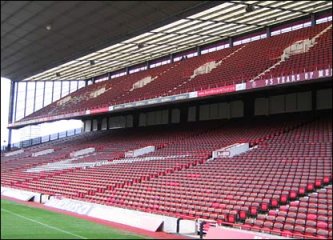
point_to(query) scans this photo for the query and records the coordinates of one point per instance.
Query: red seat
(284, 199)
(274, 203)
(293, 195)
(232, 218)
(322, 225)
(242, 215)
(327, 180)
(311, 216)
(310, 187)
(253, 211)
(264, 207)
(286, 233)
(318, 183)
(301, 191)
(322, 232)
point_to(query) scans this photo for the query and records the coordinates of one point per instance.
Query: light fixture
(249, 8)
(58, 74)
(48, 27)
(92, 62)
(140, 45)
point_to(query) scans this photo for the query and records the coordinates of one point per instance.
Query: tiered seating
(182, 71)
(115, 89)
(310, 216)
(238, 64)
(110, 145)
(254, 58)
(229, 190)
(319, 57)
(13, 167)
(282, 186)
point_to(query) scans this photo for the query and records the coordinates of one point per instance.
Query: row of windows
(138, 69)
(290, 29)
(185, 56)
(29, 101)
(159, 63)
(216, 48)
(102, 79)
(118, 75)
(250, 39)
(323, 20)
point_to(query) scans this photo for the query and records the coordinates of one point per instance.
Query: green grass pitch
(23, 222)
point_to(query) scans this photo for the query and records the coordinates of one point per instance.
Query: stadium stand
(287, 170)
(139, 159)
(177, 77)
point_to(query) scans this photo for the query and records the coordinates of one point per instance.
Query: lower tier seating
(282, 186)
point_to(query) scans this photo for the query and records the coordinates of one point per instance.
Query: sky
(24, 133)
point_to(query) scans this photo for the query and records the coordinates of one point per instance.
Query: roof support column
(313, 19)
(171, 58)
(268, 32)
(11, 110)
(34, 104)
(52, 92)
(61, 89)
(44, 93)
(148, 64)
(16, 84)
(25, 99)
(199, 50)
(231, 42)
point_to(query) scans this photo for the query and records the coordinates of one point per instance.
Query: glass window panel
(30, 98)
(39, 96)
(284, 30)
(20, 100)
(65, 88)
(48, 93)
(307, 24)
(56, 90)
(15, 99)
(82, 84)
(72, 86)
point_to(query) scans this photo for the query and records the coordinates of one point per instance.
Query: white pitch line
(43, 224)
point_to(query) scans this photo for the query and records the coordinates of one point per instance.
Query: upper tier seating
(237, 64)
(318, 57)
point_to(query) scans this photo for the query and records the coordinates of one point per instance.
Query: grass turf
(23, 222)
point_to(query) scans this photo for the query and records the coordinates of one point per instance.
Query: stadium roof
(120, 34)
